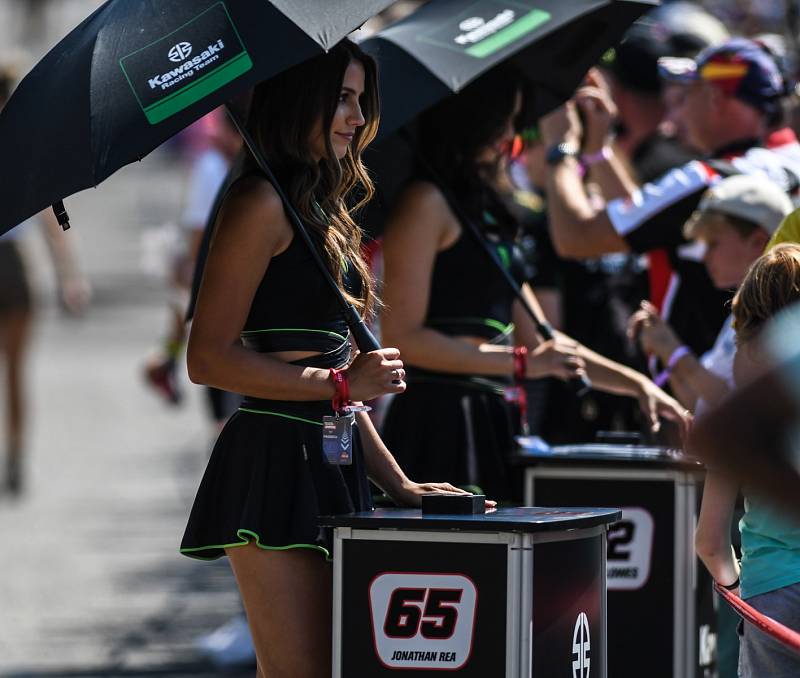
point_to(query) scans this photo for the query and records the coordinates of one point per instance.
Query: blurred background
(91, 582)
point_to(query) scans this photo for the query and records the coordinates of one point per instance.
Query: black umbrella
(446, 44)
(135, 73)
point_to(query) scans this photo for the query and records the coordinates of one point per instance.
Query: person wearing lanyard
(267, 326)
(463, 336)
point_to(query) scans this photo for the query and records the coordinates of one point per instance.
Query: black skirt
(452, 430)
(267, 482)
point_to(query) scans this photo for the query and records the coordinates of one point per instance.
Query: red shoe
(162, 377)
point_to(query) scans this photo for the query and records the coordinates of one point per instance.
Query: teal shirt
(770, 542)
(770, 549)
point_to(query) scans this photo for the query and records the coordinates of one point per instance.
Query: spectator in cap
(733, 221)
(637, 89)
(731, 90)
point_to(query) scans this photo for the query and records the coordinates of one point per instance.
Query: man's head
(732, 91)
(680, 29)
(735, 219)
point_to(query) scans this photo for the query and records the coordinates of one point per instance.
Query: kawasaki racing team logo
(180, 52)
(186, 65)
(488, 26)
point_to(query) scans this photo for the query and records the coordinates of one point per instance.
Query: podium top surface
(531, 450)
(514, 519)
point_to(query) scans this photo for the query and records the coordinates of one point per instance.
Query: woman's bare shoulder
(253, 208)
(424, 194)
(422, 211)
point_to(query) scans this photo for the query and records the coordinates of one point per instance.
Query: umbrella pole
(362, 335)
(580, 385)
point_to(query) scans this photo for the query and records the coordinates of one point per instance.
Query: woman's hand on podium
(410, 493)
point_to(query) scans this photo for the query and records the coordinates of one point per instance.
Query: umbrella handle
(364, 338)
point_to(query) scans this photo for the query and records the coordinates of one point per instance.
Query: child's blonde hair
(772, 283)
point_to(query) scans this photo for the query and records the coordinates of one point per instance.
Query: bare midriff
(291, 356)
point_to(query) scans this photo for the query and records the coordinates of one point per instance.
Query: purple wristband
(663, 377)
(677, 354)
(589, 159)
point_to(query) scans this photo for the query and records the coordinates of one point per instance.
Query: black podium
(661, 620)
(518, 592)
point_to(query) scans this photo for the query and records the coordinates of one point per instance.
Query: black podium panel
(641, 573)
(417, 609)
(568, 626)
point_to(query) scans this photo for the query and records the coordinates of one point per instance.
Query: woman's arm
(713, 534)
(251, 229)
(385, 472)
(607, 375)
(420, 227)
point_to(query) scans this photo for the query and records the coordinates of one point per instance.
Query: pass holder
(337, 430)
(337, 439)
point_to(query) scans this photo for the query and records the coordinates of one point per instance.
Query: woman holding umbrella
(266, 326)
(460, 329)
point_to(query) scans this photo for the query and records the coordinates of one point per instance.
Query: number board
(419, 608)
(640, 557)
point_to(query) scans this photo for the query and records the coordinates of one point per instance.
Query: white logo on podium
(630, 546)
(422, 621)
(580, 647)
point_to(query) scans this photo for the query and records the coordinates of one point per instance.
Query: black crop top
(468, 295)
(293, 295)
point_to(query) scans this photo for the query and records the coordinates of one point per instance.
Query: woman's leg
(15, 334)
(287, 597)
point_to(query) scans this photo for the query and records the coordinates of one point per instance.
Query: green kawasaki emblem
(186, 65)
(488, 26)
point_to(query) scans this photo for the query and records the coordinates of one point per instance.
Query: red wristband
(520, 363)
(341, 390)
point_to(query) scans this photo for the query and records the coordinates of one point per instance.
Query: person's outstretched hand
(655, 403)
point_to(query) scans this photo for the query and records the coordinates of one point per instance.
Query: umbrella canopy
(135, 73)
(446, 44)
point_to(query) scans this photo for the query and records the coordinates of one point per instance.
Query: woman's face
(347, 118)
(501, 146)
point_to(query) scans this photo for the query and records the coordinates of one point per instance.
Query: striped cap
(740, 67)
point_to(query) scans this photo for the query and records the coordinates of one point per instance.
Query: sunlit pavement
(91, 583)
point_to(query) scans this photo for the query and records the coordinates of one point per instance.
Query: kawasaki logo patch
(488, 26)
(187, 65)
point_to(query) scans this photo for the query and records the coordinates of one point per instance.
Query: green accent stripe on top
(246, 536)
(505, 257)
(198, 89)
(488, 322)
(515, 31)
(280, 414)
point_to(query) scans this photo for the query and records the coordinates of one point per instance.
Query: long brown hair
(327, 192)
(772, 283)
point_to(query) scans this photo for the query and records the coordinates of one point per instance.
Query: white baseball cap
(746, 196)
